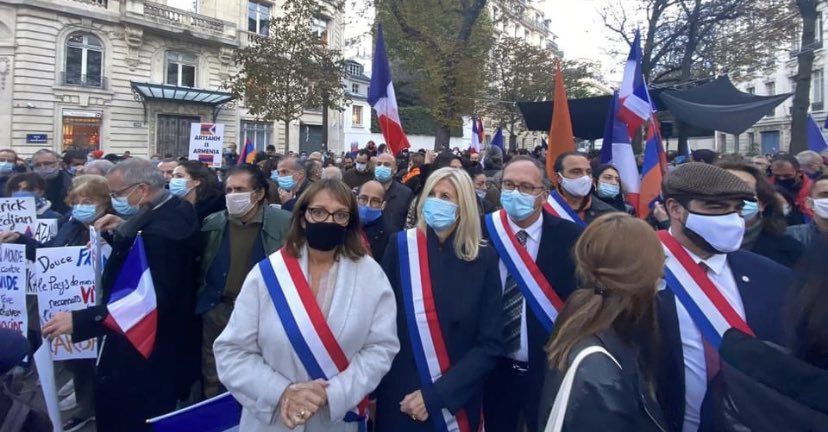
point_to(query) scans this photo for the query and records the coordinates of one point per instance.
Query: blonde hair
(94, 187)
(467, 237)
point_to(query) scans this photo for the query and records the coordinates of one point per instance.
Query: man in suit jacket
(704, 204)
(515, 386)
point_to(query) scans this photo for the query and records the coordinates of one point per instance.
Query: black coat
(467, 296)
(208, 205)
(378, 234)
(130, 389)
(762, 286)
(604, 397)
(783, 249)
(397, 200)
(56, 191)
(555, 262)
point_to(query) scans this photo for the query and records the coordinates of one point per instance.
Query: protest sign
(17, 213)
(41, 230)
(207, 143)
(13, 287)
(65, 281)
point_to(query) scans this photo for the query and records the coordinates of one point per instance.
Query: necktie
(512, 307)
(711, 356)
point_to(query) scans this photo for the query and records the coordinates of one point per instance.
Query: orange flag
(561, 138)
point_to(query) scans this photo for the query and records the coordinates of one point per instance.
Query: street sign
(36, 138)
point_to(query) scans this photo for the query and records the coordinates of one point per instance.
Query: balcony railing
(169, 15)
(101, 3)
(251, 38)
(89, 81)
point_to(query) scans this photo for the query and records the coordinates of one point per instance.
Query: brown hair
(773, 218)
(94, 187)
(33, 182)
(619, 260)
(352, 247)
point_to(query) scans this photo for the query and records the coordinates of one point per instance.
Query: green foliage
(416, 120)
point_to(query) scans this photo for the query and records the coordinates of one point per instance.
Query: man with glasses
(397, 196)
(371, 200)
(514, 387)
(46, 163)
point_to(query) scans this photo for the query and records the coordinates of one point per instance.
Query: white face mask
(820, 206)
(238, 204)
(361, 167)
(723, 232)
(578, 187)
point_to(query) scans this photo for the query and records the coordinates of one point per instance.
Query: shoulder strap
(556, 416)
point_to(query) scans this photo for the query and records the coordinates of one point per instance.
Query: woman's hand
(60, 324)
(9, 236)
(414, 405)
(301, 401)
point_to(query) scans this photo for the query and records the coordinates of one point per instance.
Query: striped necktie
(512, 307)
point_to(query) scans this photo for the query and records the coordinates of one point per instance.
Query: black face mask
(324, 236)
(789, 184)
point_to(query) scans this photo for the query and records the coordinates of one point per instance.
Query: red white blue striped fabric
(535, 288)
(710, 310)
(305, 324)
(430, 352)
(557, 206)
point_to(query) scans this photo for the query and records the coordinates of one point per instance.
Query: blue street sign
(36, 138)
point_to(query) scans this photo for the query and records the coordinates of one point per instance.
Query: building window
(751, 90)
(81, 131)
(84, 60)
(355, 88)
(818, 28)
(319, 27)
(354, 69)
(818, 90)
(259, 133)
(770, 88)
(356, 116)
(258, 17)
(181, 69)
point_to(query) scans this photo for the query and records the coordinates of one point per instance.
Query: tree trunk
(805, 63)
(287, 136)
(686, 69)
(512, 142)
(324, 136)
(442, 138)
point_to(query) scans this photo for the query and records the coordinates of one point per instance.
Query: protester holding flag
(572, 198)
(711, 286)
(608, 188)
(193, 182)
(449, 323)
(536, 274)
(313, 328)
(148, 355)
(619, 263)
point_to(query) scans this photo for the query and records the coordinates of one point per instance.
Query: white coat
(256, 362)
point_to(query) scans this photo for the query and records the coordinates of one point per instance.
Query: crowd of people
(429, 291)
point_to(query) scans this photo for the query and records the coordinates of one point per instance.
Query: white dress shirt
(534, 232)
(695, 370)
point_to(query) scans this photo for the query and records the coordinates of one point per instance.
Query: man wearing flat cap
(710, 287)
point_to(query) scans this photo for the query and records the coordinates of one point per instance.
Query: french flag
(477, 134)
(219, 414)
(653, 169)
(497, 140)
(382, 98)
(617, 150)
(816, 141)
(248, 154)
(132, 305)
(635, 106)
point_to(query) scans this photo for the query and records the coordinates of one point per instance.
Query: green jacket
(274, 230)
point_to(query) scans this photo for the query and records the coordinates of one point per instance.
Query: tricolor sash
(709, 309)
(305, 324)
(556, 205)
(430, 353)
(537, 291)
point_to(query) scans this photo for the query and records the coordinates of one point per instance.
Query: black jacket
(56, 191)
(604, 397)
(130, 389)
(301, 188)
(208, 205)
(469, 307)
(596, 209)
(378, 234)
(783, 249)
(397, 200)
(555, 261)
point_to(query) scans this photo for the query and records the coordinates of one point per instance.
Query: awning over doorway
(149, 92)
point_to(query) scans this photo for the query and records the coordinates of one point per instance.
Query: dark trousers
(507, 405)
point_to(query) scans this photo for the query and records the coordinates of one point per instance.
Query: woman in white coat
(314, 327)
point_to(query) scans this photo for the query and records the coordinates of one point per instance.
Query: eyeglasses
(117, 194)
(365, 200)
(524, 188)
(318, 214)
(44, 164)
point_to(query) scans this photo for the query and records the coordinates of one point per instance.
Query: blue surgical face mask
(274, 175)
(439, 214)
(84, 213)
(606, 190)
(517, 205)
(750, 210)
(369, 214)
(122, 205)
(382, 173)
(286, 182)
(178, 187)
(23, 194)
(6, 167)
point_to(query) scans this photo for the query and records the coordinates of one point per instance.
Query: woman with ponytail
(605, 336)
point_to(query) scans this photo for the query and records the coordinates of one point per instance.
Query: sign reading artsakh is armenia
(207, 143)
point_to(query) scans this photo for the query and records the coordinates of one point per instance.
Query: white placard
(207, 143)
(41, 230)
(17, 213)
(13, 287)
(101, 250)
(65, 281)
(46, 378)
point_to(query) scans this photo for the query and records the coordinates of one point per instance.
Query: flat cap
(704, 181)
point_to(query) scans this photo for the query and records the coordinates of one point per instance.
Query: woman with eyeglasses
(313, 329)
(449, 320)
